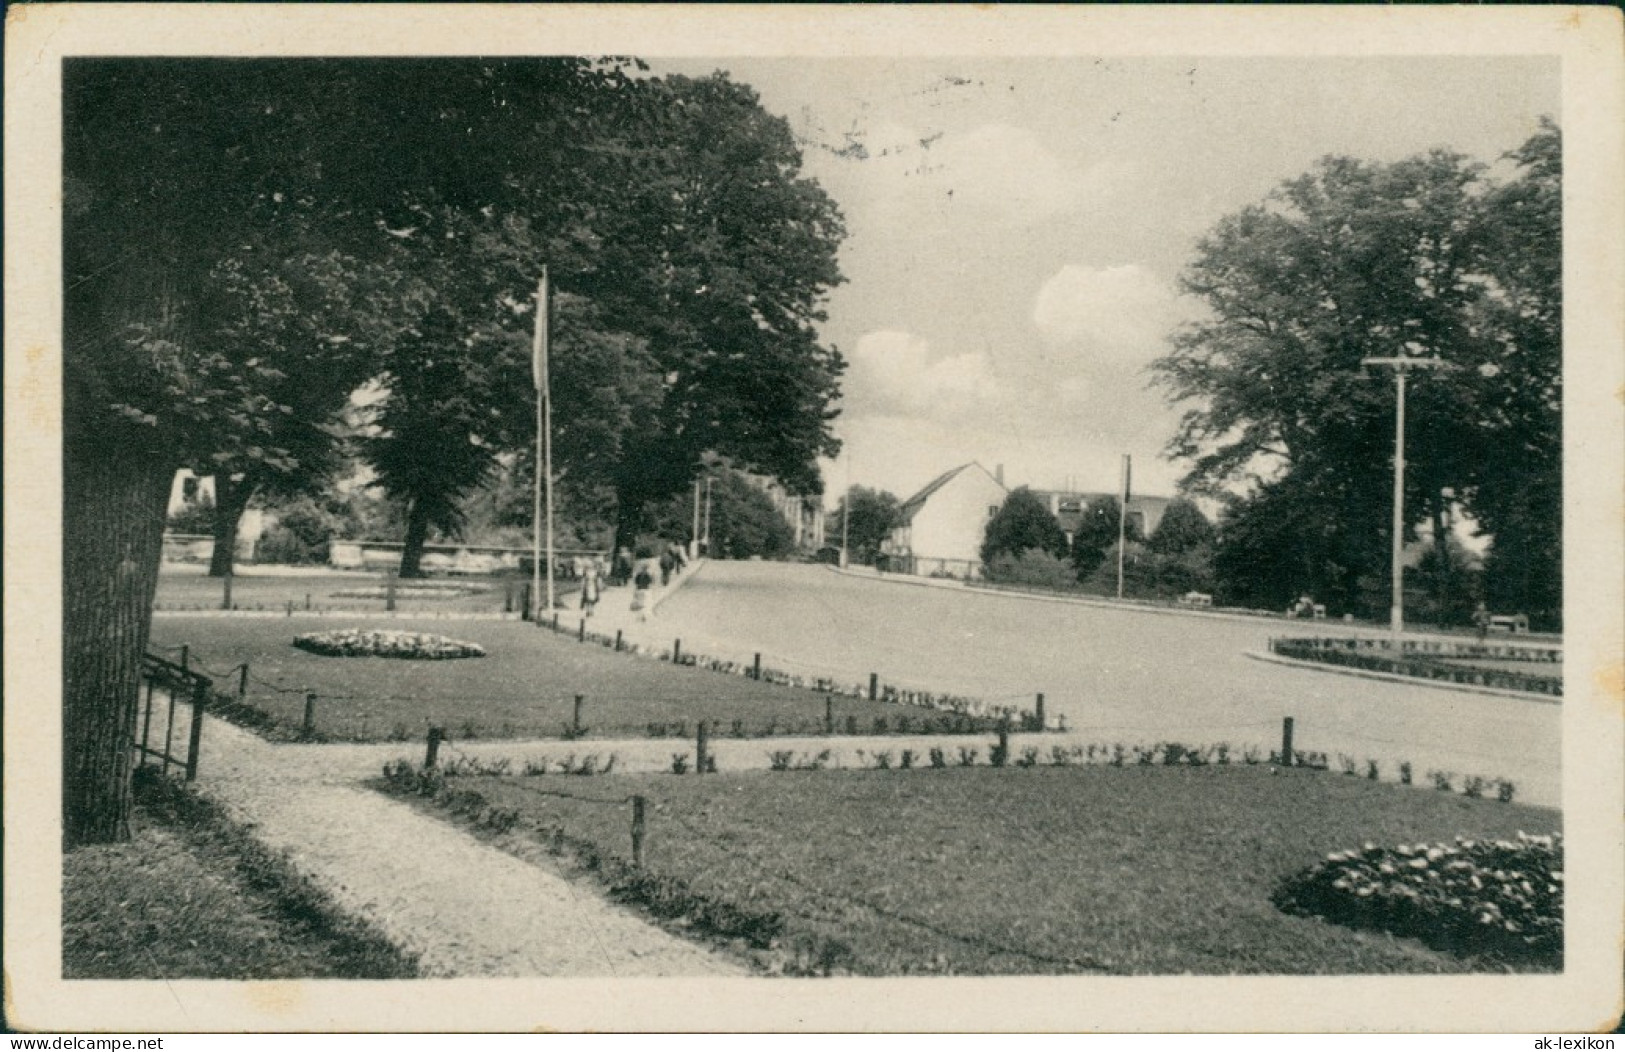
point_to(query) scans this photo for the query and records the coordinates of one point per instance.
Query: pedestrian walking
(589, 587)
(640, 593)
(1481, 621)
(667, 565)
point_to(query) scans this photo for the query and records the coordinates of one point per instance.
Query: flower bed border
(1428, 659)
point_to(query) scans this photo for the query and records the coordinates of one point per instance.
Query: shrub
(1473, 787)
(356, 642)
(1348, 763)
(1504, 790)
(1502, 899)
(1371, 770)
(967, 756)
(939, 759)
(1033, 566)
(780, 759)
(1060, 755)
(1405, 773)
(1442, 780)
(905, 760)
(679, 763)
(1029, 756)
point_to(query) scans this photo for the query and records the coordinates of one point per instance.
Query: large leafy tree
(719, 253)
(744, 522)
(171, 169)
(1096, 535)
(1182, 528)
(1356, 260)
(867, 517)
(1022, 523)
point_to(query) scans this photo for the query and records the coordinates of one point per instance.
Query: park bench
(1516, 624)
(1196, 599)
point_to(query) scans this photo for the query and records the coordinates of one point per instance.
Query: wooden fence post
(1286, 741)
(432, 755)
(309, 728)
(581, 631)
(575, 722)
(874, 686)
(702, 747)
(290, 607)
(225, 598)
(389, 591)
(242, 681)
(200, 696)
(637, 831)
(307, 601)
(677, 652)
(186, 654)
(1001, 752)
(1038, 714)
(617, 641)
(524, 602)
(829, 714)
(756, 667)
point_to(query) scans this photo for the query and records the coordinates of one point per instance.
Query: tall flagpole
(544, 458)
(1122, 524)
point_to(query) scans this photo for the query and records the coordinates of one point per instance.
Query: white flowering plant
(1500, 899)
(374, 642)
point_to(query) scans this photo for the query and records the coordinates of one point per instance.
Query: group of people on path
(637, 570)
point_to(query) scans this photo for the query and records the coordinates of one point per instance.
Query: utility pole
(846, 522)
(1122, 524)
(694, 534)
(544, 460)
(707, 546)
(1401, 366)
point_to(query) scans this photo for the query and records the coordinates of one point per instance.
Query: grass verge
(524, 687)
(1140, 870)
(192, 895)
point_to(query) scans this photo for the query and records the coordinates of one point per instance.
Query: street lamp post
(1401, 365)
(706, 544)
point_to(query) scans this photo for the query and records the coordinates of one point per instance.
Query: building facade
(941, 527)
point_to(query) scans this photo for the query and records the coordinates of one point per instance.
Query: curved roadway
(1117, 674)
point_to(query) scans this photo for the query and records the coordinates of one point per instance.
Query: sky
(1017, 229)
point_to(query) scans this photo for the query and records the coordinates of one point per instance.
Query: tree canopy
(1022, 523)
(869, 520)
(246, 242)
(1427, 256)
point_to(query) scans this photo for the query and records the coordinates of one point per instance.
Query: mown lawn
(1137, 870)
(524, 687)
(192, 896)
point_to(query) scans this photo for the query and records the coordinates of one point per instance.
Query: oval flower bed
(1499, 898)
(357, 642)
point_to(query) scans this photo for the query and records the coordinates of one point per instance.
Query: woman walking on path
(589, 588)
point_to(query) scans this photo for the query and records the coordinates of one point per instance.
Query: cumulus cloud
(1122, 314)
(897, 372)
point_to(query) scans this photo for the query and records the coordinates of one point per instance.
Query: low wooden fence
(173, 697)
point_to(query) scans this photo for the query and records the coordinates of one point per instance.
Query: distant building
(1144, 513)
(189, 489)
(805, 515)
(941, 527)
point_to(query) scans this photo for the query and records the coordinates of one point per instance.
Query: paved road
(1116, 674)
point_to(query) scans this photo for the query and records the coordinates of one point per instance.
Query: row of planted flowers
(376, 642)
(935, 701)
(1497, 898)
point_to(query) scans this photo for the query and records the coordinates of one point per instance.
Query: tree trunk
(114, 500)
(230, 501)
(417, 531)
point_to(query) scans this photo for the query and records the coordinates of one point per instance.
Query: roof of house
(906, 510)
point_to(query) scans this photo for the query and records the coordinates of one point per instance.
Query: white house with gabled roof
(941, 527)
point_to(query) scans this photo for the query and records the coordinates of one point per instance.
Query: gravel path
(465, 907)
